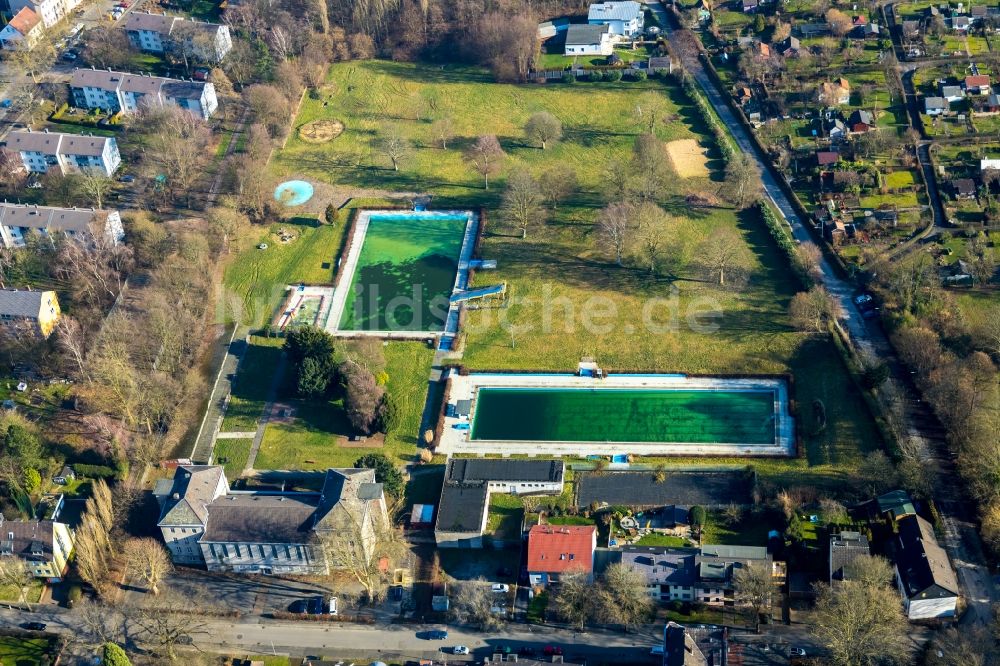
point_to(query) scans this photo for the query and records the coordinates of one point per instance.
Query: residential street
(961, 539)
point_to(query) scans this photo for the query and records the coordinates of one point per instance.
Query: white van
(333, 605)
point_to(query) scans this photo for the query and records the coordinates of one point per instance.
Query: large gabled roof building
(926, 579)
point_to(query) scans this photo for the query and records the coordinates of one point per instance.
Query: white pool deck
(456, 439)
(450, 327)
(295, 294)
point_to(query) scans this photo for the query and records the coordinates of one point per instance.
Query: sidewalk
(233, 348)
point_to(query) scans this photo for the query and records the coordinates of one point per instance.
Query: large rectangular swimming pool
(542, 414)
(405, 272)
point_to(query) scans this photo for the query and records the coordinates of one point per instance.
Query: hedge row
(786, 243)
(101, 471)
(722, 137)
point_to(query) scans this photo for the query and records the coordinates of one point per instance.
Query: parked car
(433, 635)
(70, 56)
(6, 104)
(316, 605)
(332, 605)
(797, 652)
(34, 626)
(500, 588)
(460, 649)
(298, 606)
(201, 73)
(127, 178)
(550, 650)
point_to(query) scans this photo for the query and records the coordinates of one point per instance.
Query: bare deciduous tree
(395, 146)
(473, 603)
(442, 130)
(358, 550)
(614, 227)
(557, 183)
(148, 559)
(743, 182)
(573, 600)
(753, 588)
(621, 597)
(14, 572)
(543, 127)
(812, 310)
(96, 185)
(486, 156)
(522, 201)
(860, 622)
(168, 624)
(724, 253)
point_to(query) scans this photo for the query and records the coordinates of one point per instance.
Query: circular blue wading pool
(293, 193)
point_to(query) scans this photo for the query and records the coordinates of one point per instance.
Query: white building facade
(41, 152)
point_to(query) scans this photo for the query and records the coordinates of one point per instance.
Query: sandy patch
(321, 131)
(688, 158)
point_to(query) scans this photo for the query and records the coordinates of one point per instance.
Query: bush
(569, 77)
(697, 515)
(114, 655)
(612, 75)
(385, 472)
(639, 75)
(332, 214)
(95, 471)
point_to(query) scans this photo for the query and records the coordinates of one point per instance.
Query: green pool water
(405, 273)
(624, 415)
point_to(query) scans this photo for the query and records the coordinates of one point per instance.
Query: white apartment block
(156, 33)
(120, 92)
(41, 152)
(17, 221)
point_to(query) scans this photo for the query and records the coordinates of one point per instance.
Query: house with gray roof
(926, 579)
(463, 509)
(45, 151)
(203, 523)
(621, 18)
(701, 575)
(935, 106)
(584, 39)
(18, 221)
(157, 33)
(29, 313)
(844, 549)
(119, 92)
(45, 546)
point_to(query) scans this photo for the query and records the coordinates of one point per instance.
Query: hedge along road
(961, 538)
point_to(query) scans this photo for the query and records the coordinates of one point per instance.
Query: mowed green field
(372, 97)
(567, 297)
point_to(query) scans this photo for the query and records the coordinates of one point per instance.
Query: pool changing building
(468, 483)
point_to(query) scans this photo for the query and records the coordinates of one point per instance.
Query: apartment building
(120, 92)
(41, 152)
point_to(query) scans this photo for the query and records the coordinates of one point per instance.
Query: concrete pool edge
(452, 440)
(350, 266)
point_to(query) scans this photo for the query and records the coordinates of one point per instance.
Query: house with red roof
(557, 549)
(24, 30)
(977, 85)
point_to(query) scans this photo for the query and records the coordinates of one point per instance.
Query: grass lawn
(235, 452)
(569, 520)
(258, 277)
(17, 651)
(505, 516)
(537, 606)
(12, 593)
(307, 442)
(899, 178)
(653, 539)
(749, 531)
(249, 392)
